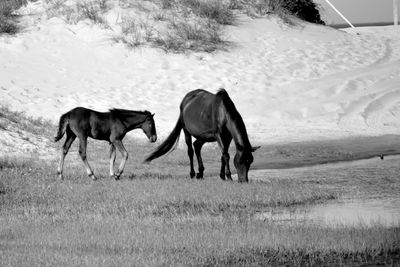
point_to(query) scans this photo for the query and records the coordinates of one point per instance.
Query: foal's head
(149, 128)
(242, 162)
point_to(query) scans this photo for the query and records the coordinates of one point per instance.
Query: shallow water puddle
(362, 213)
(379, 204)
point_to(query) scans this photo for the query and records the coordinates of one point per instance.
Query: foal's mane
(234, 116)
(128, 113)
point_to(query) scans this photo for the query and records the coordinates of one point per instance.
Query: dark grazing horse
(208, 118)
(110, 126)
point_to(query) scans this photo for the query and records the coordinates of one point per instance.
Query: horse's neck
(238, 131)
(133, 121)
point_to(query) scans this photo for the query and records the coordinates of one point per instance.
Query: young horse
(208, 118)
(109, 126)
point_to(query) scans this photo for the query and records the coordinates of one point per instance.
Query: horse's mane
(126, 112)
(234, 115)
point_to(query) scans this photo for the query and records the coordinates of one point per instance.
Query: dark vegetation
(8, 20)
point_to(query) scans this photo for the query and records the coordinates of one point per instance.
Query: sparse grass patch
(216, 10)
(92, 10)
(80, 10)
(30, 124)
(199, 35)
(134, 32)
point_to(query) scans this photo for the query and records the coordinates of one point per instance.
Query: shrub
(304, 9)
(8, 23)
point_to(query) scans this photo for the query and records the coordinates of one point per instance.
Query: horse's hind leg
(188, 139)
(121, 148)
(82, 153)
(113, 154)
(64, 150)
(198, 144)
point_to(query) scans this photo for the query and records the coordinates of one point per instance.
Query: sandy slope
(290, 83)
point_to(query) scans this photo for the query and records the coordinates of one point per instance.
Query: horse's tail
(169, 143)
(62, 126)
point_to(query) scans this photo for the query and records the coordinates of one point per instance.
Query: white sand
(290, 83)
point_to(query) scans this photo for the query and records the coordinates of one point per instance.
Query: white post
(340, 14)
(396, 12)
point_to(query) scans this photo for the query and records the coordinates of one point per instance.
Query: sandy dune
(290, 83)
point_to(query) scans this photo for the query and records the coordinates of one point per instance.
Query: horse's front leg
(224, 142)
(198, 144)
(113, 155)
(121, 148)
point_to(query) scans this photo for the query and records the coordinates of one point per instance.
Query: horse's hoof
(94, 178)
(192, 175)
(117, 176)
(60, 177)
(199, 176)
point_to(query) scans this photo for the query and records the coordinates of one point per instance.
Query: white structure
(340, 14)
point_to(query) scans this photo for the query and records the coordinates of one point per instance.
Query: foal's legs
(64, 150)
(188, 139)
(121, 148)
(198, 144)
(113, 155)
(82, 153)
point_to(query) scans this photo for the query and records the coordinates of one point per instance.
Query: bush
(8, 23)
(304, 9)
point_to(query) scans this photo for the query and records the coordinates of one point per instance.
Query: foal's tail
(169, 143)
(62, 127)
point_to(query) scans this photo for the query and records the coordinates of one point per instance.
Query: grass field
(156, 216)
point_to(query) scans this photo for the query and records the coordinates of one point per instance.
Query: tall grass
(92, 10)
(173, 25)
(199, 35)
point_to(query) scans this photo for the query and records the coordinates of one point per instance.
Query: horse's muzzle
(153, 138)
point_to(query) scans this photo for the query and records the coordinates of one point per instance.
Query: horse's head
(243, 159)
(149, 128)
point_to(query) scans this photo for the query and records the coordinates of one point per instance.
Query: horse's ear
(153, 114)
(255, 148)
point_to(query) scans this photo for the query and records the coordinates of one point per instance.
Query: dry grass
(174, 25)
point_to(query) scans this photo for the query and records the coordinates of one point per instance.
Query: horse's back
(197, 113)
(89, 122)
